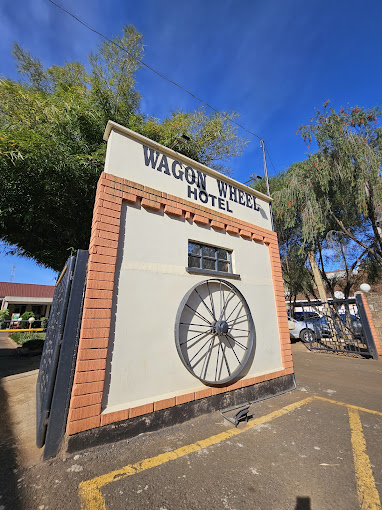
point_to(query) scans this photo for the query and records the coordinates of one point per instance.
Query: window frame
(215, 259)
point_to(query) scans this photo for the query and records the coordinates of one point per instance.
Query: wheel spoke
(198, 314)
(194, 356)
(196, 336)
(224, 347)
(233, 350)
(212, 302)
(202, 300)
(226, 363)
(221, 306)
(225, 306)
(239, 303)
(217, 362)
(193, 324)
(207, 359)
(239, 343)
(237, 318)
(238, 329)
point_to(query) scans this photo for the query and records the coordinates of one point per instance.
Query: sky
(272, 62)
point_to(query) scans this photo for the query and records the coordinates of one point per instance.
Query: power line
(270, 159)
(159, 74)
(149, 67)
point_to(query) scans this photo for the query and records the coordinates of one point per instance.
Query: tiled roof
(26, 290)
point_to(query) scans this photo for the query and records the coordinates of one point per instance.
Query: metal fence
(336, 326)
(24, 324)
(58, 358)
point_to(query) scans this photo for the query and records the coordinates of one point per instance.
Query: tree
(51, 148)
(339, 186)
(333, 198)
(298, 279)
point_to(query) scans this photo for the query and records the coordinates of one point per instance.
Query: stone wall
(374, 300)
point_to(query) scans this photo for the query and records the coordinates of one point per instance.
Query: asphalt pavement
(318, 447)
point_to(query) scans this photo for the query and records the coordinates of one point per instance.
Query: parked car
(309, 316)
(327, 331)
(356, 324)
(308, 331)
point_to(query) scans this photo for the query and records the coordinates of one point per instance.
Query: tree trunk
(317, 277)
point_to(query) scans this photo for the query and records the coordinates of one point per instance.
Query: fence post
(365, 317)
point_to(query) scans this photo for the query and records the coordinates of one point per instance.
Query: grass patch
(21, 338)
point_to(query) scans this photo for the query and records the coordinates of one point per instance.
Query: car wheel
(307, 335)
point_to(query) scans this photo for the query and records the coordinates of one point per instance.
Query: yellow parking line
(89, 491)
(367, 492)
(349, 406)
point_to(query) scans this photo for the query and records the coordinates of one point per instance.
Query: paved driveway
(318, 447)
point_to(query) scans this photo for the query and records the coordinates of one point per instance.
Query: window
(209, 258)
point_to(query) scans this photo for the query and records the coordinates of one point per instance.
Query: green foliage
(44, 323)
(23, 337)
(51, 147)
(330, 203)
(210, 139)
(27, 315)
(339, 186)
(4, 316)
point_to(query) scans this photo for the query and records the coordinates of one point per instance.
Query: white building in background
(26, 297)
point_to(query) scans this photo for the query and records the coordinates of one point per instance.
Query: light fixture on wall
(183, 139)
(253, 178)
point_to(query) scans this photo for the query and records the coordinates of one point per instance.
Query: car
(302, 316)
(330, 326)
(324, 326)
(307, 331)
(356, 324)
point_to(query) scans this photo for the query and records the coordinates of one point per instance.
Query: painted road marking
(89, 491)
(91, 497)
(349, 406)
(368, 496)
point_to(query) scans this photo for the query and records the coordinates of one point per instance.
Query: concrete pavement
(301, 450)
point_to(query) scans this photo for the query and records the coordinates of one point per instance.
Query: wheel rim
(308, 336)
(214, 332)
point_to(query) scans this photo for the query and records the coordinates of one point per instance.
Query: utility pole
(267, 180)
(265, 166)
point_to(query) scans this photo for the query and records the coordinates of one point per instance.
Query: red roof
(26, 290)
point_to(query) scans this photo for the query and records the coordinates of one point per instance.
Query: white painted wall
(125, 158)
(144, 365)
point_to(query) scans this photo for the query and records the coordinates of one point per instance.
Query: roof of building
(26, 290)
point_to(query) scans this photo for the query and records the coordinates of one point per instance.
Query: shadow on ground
(13, 361)
(16, 389)
(9, 469)
(302, 504)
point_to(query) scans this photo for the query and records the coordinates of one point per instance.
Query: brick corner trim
(85, 411)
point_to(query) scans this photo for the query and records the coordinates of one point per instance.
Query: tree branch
(376, 254)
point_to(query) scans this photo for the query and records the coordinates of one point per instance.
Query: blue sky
(273, 62)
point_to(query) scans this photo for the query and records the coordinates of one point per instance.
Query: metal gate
(58, 359)
(339, 325)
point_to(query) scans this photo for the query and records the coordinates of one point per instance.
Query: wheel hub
(221, 327)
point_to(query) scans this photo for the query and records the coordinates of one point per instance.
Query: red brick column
(286, 349)
(85, 404)
(372, 326)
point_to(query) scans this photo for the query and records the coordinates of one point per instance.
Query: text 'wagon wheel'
(214, 332)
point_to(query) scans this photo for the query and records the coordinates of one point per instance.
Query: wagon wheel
(214, 332)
